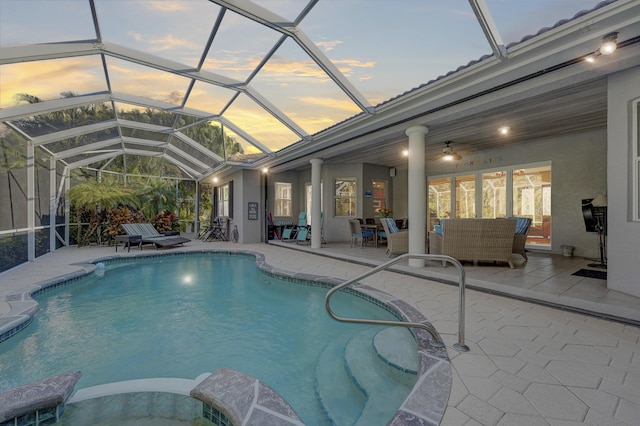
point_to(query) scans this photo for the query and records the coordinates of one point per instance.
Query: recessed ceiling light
(405, 153)
(504, 130)
(265, 170)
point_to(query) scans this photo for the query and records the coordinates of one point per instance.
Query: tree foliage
(96, 199)
(91, 200)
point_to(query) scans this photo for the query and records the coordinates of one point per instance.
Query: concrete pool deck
(529, 364)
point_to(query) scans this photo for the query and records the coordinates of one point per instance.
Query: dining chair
(357, 233)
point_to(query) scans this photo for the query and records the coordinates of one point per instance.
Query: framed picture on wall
(252, 211)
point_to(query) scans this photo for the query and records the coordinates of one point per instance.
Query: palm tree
(97, 198)
(157, 195)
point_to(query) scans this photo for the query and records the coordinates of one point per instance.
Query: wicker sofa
(477, 240)
(523, 225)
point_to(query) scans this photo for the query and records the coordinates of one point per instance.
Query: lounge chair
(206, 228)
(150, 235)
(219, 230)
(303, 235)
(397, 240)
(290, 233)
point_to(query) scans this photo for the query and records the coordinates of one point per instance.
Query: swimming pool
(182, 315)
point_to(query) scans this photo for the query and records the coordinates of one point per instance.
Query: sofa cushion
(391, 224)
(522, 224)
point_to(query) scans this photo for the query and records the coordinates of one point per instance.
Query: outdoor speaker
(392, 172)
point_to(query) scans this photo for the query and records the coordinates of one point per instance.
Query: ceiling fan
(448, 153)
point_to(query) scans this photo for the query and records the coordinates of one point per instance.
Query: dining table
(375, 228)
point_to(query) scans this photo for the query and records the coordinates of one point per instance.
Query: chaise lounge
(150, 235)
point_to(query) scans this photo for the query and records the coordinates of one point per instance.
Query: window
(532, 199)
(282, 199)
(224, 200)
(379, 196)
(345, 197)
(439, 200)
(522, 190)
(465, 196)
(494, 194)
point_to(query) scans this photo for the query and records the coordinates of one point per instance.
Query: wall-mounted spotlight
(265, 170)
(215, 179)
(609, 43)
(608, 46)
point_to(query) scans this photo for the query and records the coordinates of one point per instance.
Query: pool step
(134, 408)
(344, 405)
(371, 374)
(397, 348)
(373, 359)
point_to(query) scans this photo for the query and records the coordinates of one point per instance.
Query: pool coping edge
(426, 402)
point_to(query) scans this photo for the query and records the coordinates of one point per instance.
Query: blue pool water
(181, 316)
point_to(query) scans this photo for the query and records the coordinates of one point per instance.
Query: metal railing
(436, 340)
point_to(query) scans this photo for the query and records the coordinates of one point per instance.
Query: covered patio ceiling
(212, 86)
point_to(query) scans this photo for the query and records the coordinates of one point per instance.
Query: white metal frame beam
(84, 148)
(73, 132)
(485, 19)
(14, 54)
(278, 23)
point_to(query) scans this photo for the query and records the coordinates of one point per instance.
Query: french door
(518, 191)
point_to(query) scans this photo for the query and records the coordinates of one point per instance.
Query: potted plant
(384, 212)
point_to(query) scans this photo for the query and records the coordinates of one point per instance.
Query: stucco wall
(247, 189)
(337, 228)
(624, 235)
(578, 171)
(371, 172)
(400, 185)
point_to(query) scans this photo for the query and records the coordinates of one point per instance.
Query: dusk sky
(383, 47)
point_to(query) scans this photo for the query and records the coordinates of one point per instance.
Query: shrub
(166, 221)
(117, 217)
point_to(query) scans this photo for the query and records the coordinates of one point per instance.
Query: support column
(53, 204)
(31, 203)
(316, 209)
(196, 225)
(67, 204)
(265, 173)
(417, 189)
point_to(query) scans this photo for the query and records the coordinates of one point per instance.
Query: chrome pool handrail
(436, 340)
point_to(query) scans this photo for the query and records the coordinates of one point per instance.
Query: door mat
(589, 273)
